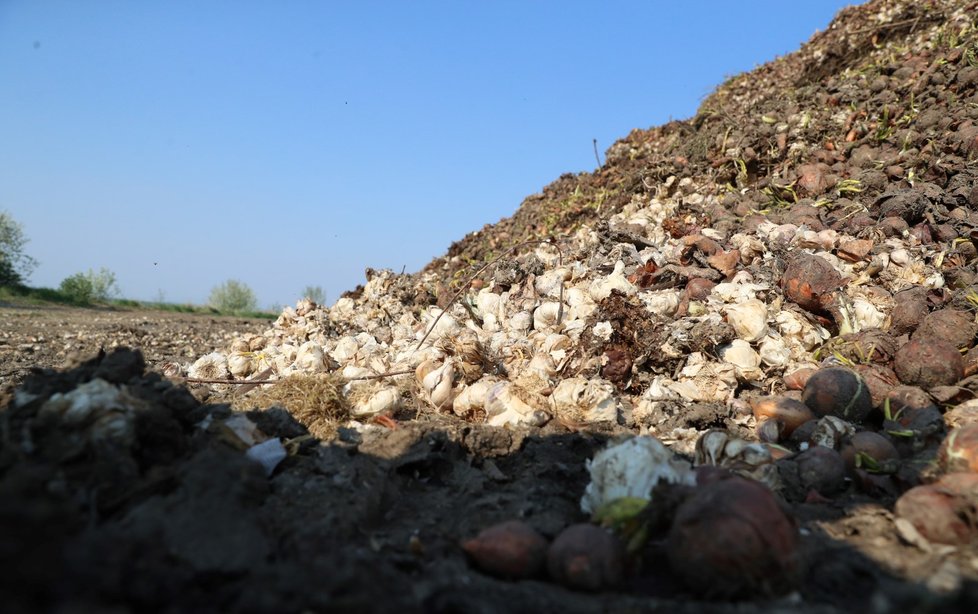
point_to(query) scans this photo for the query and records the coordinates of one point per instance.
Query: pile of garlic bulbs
(528, 347)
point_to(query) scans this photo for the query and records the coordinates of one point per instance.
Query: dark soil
(180, 520)
(152, 505)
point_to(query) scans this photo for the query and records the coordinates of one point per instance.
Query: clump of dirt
(631, 340)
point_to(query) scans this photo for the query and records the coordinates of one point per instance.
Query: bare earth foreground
(55, 337)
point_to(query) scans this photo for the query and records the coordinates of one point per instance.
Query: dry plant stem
(255, 381)
(468, 282)
(381, 375)
(194, 380)
(889, 26)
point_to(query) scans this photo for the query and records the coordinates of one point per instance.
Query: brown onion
(511, 549)
(731, 538)
(586, 557)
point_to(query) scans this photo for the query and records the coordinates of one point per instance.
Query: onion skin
(511, 549)
(769, 431)
(732, 539)
(959, 450)
(790, 413)
(945, 511)
(797, 379)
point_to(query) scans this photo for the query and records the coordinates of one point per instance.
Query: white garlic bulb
(310, 357)
(748, 319)
(210, 366)
(585, 400)
(510, 404)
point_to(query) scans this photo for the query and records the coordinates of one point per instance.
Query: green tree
(315, 294)
(233, 296)
(15, 265)
(89, 287)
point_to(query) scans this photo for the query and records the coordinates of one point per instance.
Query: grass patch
(24, 296)
(314, 400)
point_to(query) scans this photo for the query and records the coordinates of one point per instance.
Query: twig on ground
(255, 381)
(895, 24)
(380, 375)
(241, 382)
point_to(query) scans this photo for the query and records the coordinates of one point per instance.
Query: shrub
(315, 294)
(233, 296)
(90, 287)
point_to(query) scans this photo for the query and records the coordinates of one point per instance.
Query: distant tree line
(85, 288)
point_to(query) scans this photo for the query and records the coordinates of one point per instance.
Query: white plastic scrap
(268, 454)
(632, 469)
(242, 427)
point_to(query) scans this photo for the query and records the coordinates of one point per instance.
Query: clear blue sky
(286, 144)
